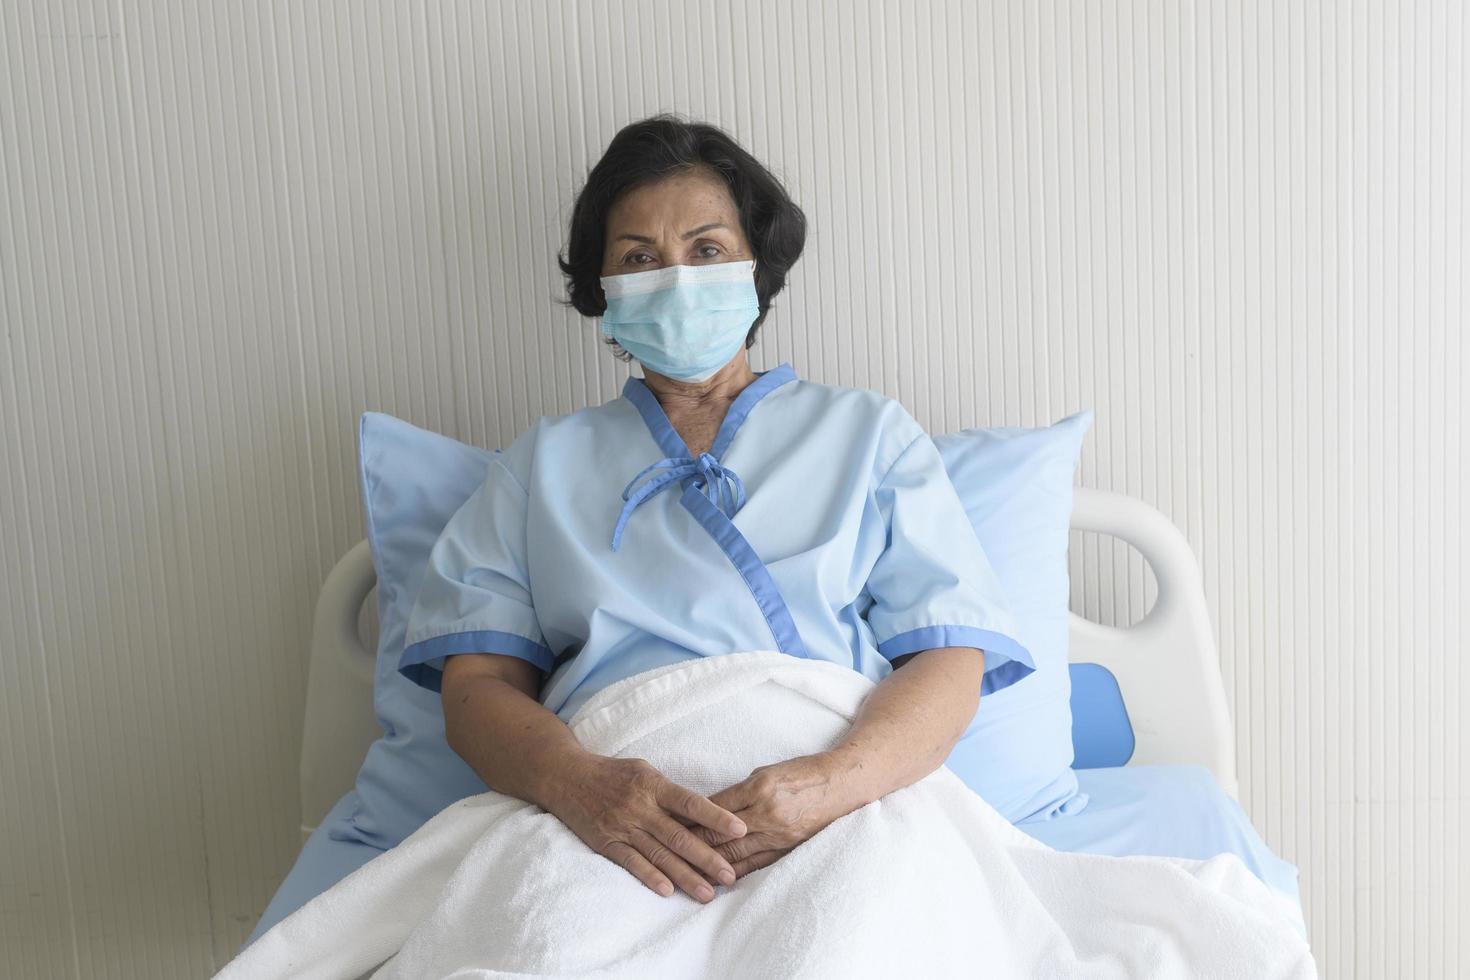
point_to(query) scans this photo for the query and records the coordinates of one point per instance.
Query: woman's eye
(705, 251)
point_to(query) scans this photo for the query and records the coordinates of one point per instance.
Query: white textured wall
(1236, 230)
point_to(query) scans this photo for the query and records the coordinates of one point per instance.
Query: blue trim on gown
(704, 493)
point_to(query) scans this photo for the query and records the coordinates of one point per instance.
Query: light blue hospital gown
(821, 523)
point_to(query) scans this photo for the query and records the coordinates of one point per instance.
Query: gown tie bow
(719, 484)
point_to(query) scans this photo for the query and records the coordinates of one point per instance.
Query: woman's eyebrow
(694, 231)
(686, 236)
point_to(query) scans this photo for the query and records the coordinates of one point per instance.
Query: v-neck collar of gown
(668, 438)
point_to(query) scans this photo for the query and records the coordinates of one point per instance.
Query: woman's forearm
(908, 725)
(512, 741)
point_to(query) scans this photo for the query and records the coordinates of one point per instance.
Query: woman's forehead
(691, 199)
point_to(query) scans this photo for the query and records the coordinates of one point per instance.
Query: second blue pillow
(1016, 485)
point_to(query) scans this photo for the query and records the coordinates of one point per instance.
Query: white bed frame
(1166, 664)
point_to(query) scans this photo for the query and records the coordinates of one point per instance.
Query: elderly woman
(708, 509)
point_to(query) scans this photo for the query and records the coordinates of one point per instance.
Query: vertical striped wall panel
(1235, 230)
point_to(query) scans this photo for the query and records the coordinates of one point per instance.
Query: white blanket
(929, 881)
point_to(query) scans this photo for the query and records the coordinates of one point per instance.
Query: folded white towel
(929, 881)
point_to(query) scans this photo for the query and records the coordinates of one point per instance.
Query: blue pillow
(1016, 485)
(412, 483)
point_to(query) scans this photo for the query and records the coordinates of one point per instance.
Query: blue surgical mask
(682, 321)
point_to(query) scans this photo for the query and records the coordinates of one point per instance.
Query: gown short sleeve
(476, 595)
(933, 586)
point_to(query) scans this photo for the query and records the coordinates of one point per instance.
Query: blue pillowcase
(413, 481)
(1016, 485)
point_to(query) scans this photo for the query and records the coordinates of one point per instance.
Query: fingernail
(738, 829)
(665, 889)
(705, 892)
(727, 877)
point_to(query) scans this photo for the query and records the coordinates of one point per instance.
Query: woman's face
(685, 219)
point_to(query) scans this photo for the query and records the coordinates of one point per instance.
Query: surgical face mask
(682, 321)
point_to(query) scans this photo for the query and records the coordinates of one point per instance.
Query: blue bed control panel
(1101, 733)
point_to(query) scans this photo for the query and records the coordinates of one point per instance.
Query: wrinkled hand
(781, 805)
(629, 812)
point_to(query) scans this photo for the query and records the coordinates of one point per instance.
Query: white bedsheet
(929, 881)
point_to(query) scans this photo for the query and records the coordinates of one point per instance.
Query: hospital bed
(1151, 728)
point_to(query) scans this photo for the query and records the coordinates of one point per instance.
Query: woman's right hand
(630, 813)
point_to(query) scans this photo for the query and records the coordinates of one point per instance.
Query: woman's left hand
(782, 805)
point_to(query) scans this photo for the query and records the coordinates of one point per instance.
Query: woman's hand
(629, 812)
(781, 805)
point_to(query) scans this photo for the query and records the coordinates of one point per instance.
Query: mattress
(1166, 810)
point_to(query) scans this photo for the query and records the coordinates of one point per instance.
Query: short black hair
(661, 146)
